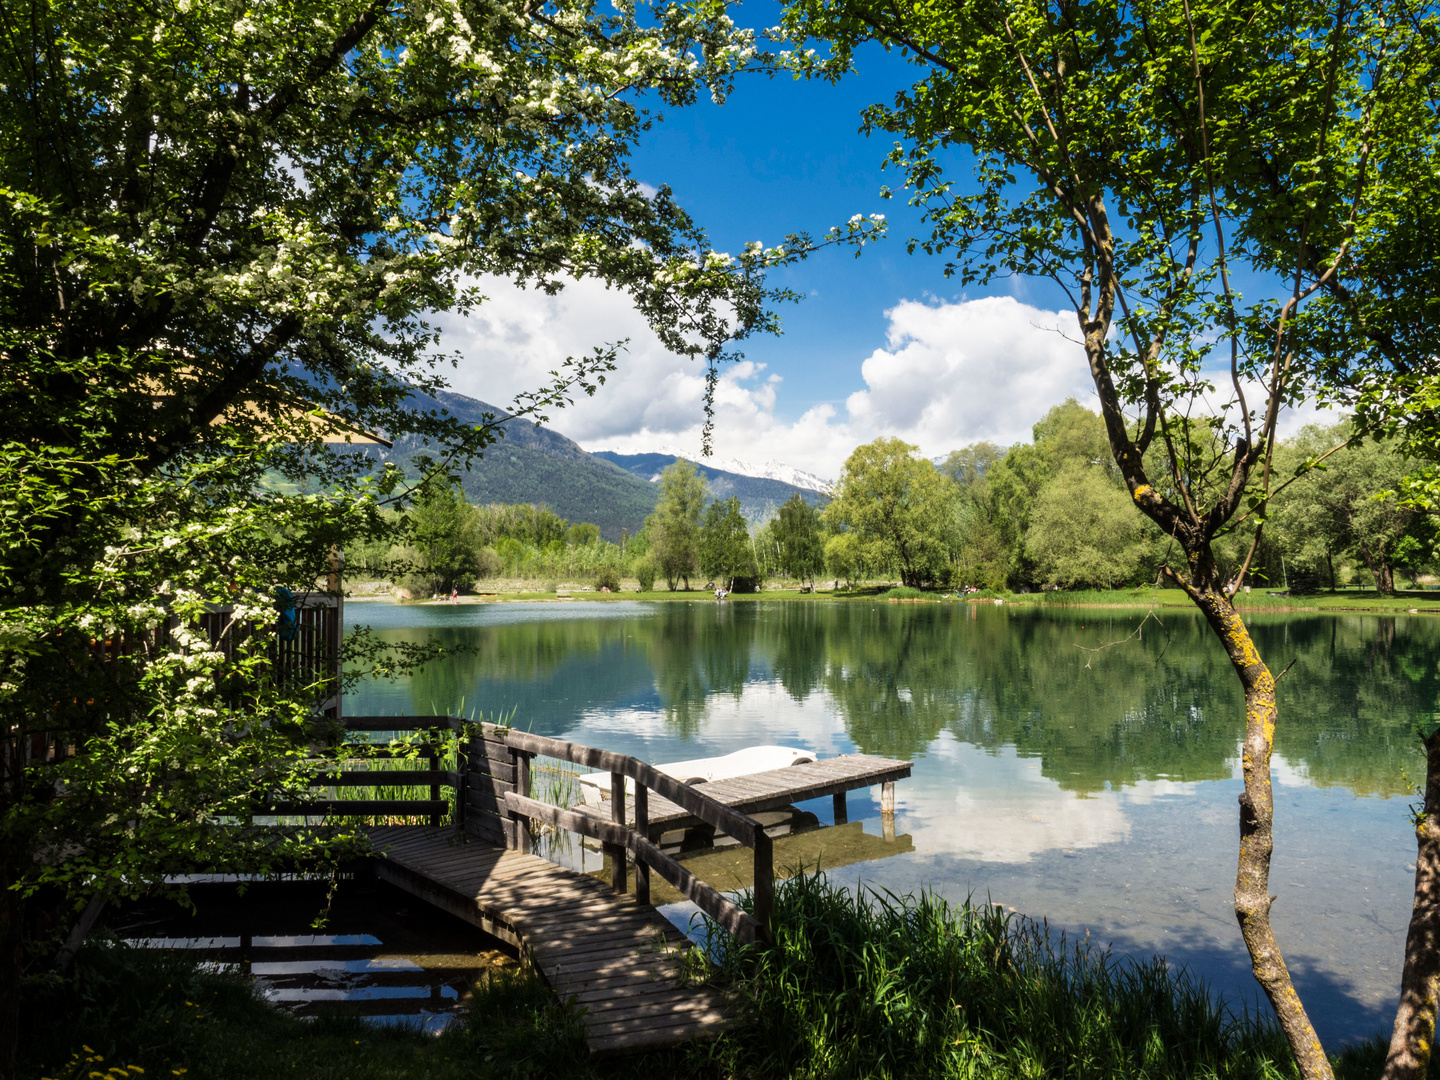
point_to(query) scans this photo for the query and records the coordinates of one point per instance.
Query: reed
(879, 985)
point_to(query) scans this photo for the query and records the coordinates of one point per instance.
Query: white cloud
(948, 374)
(978, 369)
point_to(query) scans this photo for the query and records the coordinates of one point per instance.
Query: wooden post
(335, 631)
(520, 825)
(842, 814)
(462, 772)
(764, 881)
(887, 797)
(432, 756)
(642, 827)
(617, 815)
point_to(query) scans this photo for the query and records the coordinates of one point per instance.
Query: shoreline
(1341, 604)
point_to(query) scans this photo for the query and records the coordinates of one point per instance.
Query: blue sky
(882, 345)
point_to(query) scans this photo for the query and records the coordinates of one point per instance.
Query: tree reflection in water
(1159, 705)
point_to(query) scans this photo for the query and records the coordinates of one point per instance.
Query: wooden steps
(619, 960)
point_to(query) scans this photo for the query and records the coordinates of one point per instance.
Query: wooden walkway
(619, 960)
(757, 792)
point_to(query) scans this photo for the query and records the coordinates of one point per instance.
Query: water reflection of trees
(697, 652)
(1351, 700)
(1157, 706)
(1153, 707)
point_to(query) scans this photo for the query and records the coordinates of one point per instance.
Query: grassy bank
(872, 987)
(1357, 600)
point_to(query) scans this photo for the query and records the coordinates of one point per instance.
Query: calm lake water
(1096, 789)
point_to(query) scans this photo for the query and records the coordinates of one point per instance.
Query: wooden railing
(493, 803)
(620, 837)
(433, 809)
(310, 656)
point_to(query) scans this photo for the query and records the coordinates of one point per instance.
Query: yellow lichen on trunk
(1252, 871)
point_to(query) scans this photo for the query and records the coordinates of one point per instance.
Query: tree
(1083, 531)
(800, 550)
(1134, 156)
(1350, 505)
(1001, 497)
(845, 558)
(725, 551)
(582, 533)
(968, 465)
(221, 237)
(899, 507)
(674, 527)
(446, 534)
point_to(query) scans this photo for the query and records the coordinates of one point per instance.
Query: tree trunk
(1330, 565)
(1385, 578)
(1252, 875)
(1414, 1034)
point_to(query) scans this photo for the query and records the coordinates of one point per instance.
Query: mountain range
(533, 464)
(759, 496)
(771, 470)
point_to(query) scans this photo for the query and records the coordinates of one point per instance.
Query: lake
(1078, 765)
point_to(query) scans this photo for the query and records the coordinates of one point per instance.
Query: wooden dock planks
(757, 792)
(619, 960)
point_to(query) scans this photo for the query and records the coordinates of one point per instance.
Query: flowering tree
(222, 228)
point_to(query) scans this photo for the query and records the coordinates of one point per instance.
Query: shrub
(902, 592)
(645, 574)
(1304, 580)
(488, 563)
(607, 578)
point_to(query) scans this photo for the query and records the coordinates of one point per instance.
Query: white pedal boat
(595, 786)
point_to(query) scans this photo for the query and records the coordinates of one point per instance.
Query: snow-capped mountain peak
(771, 470)
(774, 470)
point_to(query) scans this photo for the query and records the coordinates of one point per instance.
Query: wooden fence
(311, 656)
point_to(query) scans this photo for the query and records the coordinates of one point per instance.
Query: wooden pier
(756, 793)
(622, 962)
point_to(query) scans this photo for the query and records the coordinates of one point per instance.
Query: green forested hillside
(576, 490)
(536, 465)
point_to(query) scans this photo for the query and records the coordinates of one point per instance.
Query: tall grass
(1147, 596)
(890, 987)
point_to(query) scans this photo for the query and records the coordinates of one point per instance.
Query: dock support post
(842, 813)
(642, 828)
(764, 881)
(617, 815)
(887, 810)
